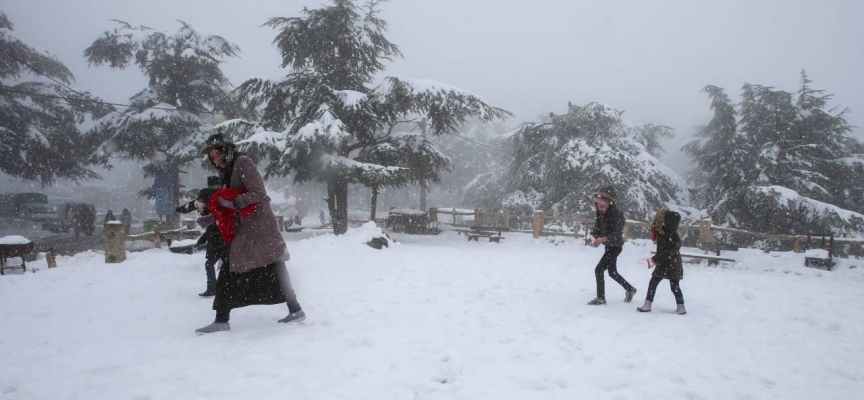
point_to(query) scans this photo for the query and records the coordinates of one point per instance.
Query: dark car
(80, 217)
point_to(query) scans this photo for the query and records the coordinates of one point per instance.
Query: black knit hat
(216, 141)
(204, 195)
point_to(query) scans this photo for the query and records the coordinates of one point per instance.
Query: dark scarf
(230, 155)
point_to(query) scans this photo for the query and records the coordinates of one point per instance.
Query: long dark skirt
(241, 289)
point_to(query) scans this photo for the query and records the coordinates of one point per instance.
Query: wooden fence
(580, 226)
(116, 238)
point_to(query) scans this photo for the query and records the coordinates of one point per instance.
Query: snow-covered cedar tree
(170, 118)
(785, 165)
(43, 126)
(559, 162)
(328, 121)
(719, 151)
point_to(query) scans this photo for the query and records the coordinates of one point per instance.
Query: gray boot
(680, 310)
(628, 297)
(646, 307)
(598, 301)
(294, 317)
(214, 327)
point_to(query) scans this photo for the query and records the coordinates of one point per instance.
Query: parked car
(80, 217)
(38, 212)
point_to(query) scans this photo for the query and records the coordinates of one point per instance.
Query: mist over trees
(328, 121)
(770, 160)
(44, 125)
(559, 161)
(780, 162)
(168, 120)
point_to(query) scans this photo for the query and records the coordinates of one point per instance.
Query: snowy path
(434, 318)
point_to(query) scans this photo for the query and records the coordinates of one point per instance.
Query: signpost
(164, 190)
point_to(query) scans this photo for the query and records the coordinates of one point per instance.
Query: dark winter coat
(668, 255)
(258, 242)
(611, 223)
(213, 240)
(257, 286)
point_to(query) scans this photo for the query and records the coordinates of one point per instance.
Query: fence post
(454, 216)
(281, 221)
(538, 223)
(433, 214)
(157, 239)
(507, 219)
(626, 232)
(796, 246)
(705, 236)
(51, 258)
(478, 218)
(115, 246)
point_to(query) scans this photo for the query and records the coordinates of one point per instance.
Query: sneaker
(680, 310)
(294, 317)
(598, 301)
(645, 308)
(214, 327)
(628, 297)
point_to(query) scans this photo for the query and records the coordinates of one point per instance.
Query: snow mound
(14, 239)
(183, 243)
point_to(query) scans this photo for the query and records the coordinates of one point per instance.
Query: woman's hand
(227, 203)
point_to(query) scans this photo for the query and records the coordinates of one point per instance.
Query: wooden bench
(477, 232)
(717, 247)
(712, 260)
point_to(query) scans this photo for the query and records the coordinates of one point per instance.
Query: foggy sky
(650, 58)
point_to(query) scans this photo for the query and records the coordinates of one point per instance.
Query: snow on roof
(14, 239)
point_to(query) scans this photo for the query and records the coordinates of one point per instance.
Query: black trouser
(211, 258)
(609, 262)
(673, 283)
(287, 291)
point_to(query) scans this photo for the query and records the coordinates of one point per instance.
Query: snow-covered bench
(476, 233)
(818, 258)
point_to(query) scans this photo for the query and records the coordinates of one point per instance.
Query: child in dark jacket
(608, 231)
(667, 258)
(211, 239)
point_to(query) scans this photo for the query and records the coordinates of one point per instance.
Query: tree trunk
(337, 203)
(374, 202)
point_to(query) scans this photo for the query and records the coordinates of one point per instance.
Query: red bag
(226, 218)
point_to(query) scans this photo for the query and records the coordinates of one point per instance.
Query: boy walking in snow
(667, 258)
(216, 248)
(608, 231)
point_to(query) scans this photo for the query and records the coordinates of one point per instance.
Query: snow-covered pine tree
(170, 118)
(795, 168)
(326, 120)
(43, 126)
(720, 153)
(559, 162)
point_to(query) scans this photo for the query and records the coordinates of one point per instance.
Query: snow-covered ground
(435, 317)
